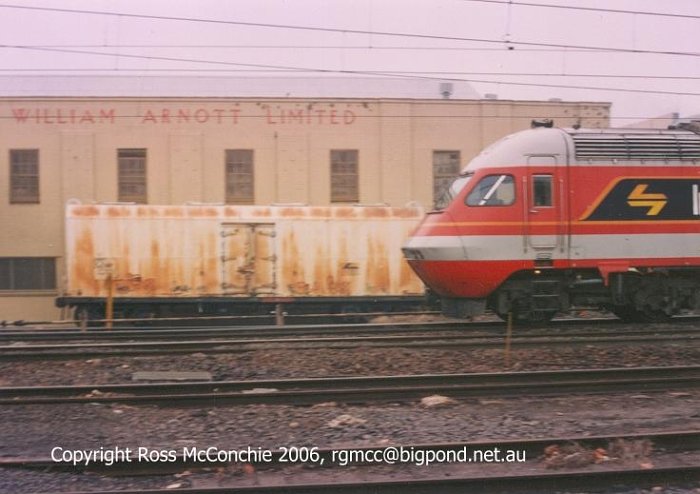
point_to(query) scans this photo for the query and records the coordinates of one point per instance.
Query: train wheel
(632, 314)
(649, 299)
(529, 318)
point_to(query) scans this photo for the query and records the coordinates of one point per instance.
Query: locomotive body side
(545, 219)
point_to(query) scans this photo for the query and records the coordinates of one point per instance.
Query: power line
(319, 47)
(507, 44)
(590, 9)
(349, 72)
(70, 72)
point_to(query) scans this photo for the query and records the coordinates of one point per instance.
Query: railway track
(67, 334)
(456, 478)
(363, 389)
(44, 333)
(423, 337)
(30, 334)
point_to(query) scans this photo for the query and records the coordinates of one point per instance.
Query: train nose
(435, 239)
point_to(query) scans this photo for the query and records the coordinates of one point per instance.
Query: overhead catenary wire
(517, 3)
(366, 47)
(353, 72)
(345, 31)
(111, 72)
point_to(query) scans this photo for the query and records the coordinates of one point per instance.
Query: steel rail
(364, 389)
(667, 441)
(604, 327)
(24, 352)
(241, 331)
(156, 327)
(520, 484)
(272, 330)
(149, 322)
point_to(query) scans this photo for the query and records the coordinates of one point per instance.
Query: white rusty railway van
(157, 261)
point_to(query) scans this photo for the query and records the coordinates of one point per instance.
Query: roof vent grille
(637, 146)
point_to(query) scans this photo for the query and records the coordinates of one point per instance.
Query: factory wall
(76, 142)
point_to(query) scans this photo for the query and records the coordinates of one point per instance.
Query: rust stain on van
(231, 211)
(342, 281)
(322, 280)
(408, 282)
(262, 212)
(291, 213)
(84, 264)
(343, 212)
(154, 268)
(173, 212)
(116, 212)
(202, 212)
(85, 211)
(375, 212)
(406, 213)
(293, 269)
(319, 212)
(126, 251)
(378, 279)
(211, 268)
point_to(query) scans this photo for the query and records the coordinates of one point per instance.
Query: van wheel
(86, 315)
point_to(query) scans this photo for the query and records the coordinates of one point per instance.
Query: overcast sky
(653, 59)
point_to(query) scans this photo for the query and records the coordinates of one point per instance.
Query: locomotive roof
(592, 146)
(635, 144)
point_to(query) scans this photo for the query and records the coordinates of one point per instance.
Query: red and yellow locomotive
(548, 219)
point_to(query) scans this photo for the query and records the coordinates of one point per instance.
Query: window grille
(344, 175)
(240, 177)
(24, 176)
(445, 170)
(27, 273)
(132, 175)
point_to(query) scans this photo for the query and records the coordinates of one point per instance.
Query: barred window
(344, 175)
(240, 177)
(445, 170)
(27, 273)
(24, 176)
(132, 175)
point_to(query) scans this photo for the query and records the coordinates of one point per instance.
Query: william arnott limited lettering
(309, 116)
(63, 115)
(165, 116)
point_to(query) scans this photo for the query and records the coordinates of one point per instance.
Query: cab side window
(493, 190)
(542, 190)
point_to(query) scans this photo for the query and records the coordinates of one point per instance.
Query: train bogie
(548, 219)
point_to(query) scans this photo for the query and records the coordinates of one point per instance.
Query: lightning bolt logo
(639, 198)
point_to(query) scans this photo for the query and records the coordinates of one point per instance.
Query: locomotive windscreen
(451, 192)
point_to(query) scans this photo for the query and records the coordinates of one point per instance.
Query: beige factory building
(316, 151)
